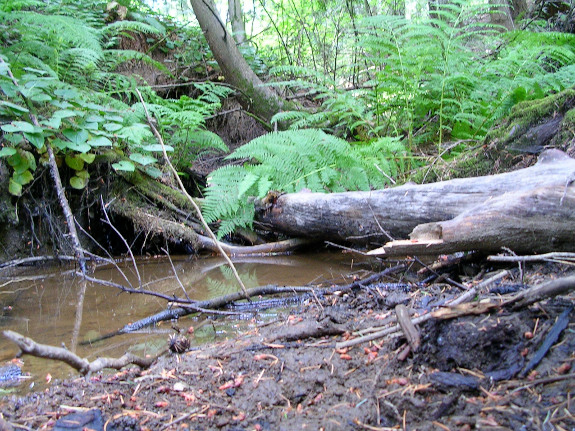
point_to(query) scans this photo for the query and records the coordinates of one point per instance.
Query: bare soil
(288, 374)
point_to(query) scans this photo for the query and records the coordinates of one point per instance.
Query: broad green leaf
(23, 178)
(18, 126)
(65, 113)
(124, 165)
(153, 172)
(77, 139)
(30, 159)
(35, 72)
(112, 127)
(157, 148)
(14, 138)
(7, 151)
(9, 89)
(40, 97)
(60, 144)
(93, 118)
(142, 159)
(53, 123)
(36, 139)
(114, 118)
(87, 157)
(100, 141)
(76, 136)
(78, 183)
(79, 147)
(62, 104)
(75, 162)
(9, 106)
(14, 188)
(66, 93)
(90, 126)
(83, 174)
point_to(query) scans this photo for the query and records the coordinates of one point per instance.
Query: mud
(288, 375)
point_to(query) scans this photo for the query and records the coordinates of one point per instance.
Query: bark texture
(256, 97)
(531, 209)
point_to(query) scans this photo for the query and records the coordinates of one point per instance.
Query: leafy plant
(445, 77)
(60, 67)
(293, 161)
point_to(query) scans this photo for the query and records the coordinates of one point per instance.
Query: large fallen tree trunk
(528, 210)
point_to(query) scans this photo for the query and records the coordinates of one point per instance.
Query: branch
(29, 346)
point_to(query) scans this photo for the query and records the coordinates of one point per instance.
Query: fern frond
(118, 27)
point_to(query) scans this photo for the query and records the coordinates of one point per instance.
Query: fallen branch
(29, 346)
(183, 307)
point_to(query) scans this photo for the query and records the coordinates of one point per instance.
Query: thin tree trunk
(256, 98)
(236, 17)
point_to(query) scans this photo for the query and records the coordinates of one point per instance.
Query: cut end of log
(407, 246)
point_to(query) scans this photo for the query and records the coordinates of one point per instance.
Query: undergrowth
(438, 82)
(60, 65)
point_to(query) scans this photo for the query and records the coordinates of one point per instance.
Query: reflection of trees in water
(228, 284)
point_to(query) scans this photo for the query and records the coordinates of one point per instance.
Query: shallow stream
(42, 303)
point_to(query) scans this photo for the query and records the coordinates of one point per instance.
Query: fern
(431, 80)
(292, 161)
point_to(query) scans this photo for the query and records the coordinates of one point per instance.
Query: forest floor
(469, 372)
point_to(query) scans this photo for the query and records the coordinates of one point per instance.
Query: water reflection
(43, 304)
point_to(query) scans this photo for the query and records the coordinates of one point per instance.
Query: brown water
(42, 304)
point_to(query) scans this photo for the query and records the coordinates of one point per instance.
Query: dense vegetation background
(372, 93)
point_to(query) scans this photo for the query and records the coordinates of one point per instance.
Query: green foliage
(293, 161)
(60, 67)
(442, 78)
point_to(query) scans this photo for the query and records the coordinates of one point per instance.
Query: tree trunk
(236, 18)
(256, 98)
(503, 16)
(528, 210)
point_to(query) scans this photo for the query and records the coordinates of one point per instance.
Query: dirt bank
(470, 372)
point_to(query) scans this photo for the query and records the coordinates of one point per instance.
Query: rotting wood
(528, 210)
(550, 339)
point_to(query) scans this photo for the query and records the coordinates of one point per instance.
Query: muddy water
(42, 304)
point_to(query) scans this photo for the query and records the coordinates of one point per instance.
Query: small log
(29, 346)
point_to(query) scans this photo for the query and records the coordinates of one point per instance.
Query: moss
(529, 113)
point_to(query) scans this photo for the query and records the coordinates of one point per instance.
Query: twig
(176, 274)
(27, 260)
(409, 330)
(554, 257)
(109, 223)
(184, 191)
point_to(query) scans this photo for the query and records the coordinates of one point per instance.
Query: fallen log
(528, 210)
